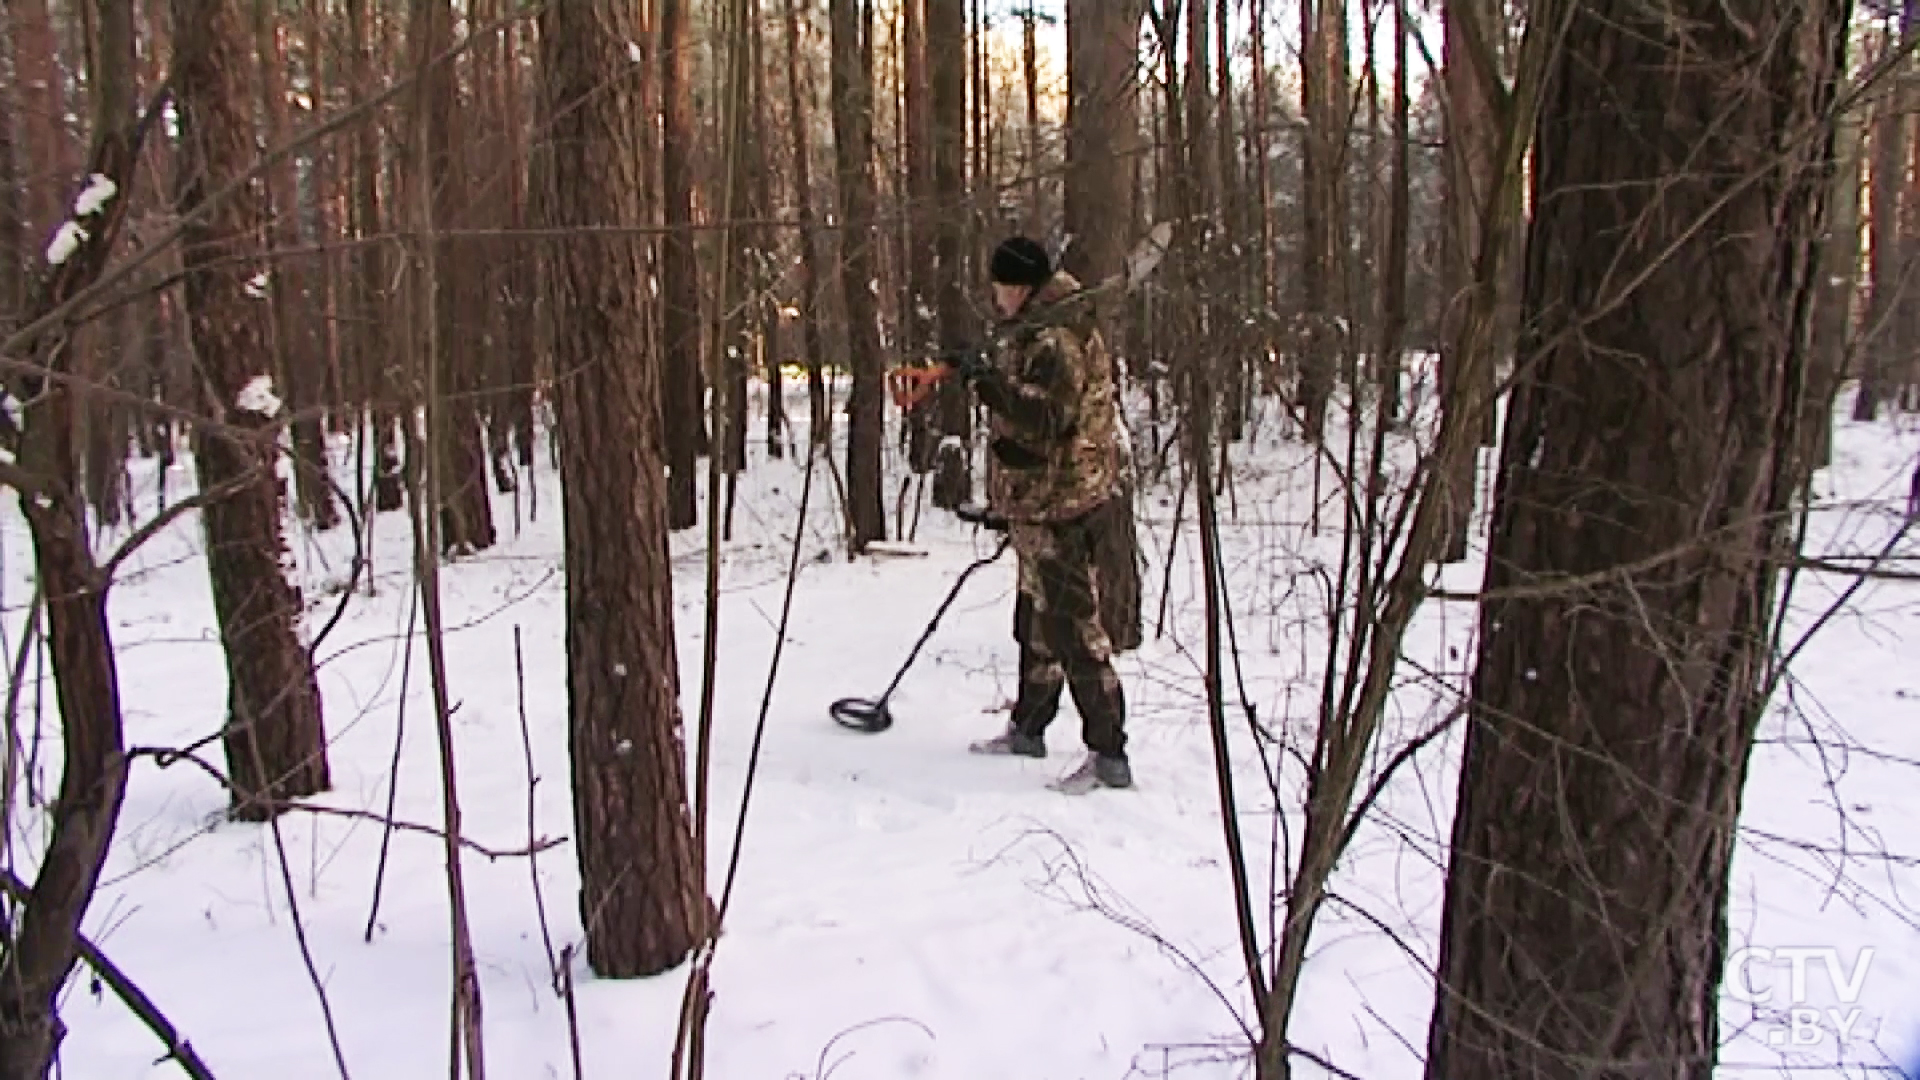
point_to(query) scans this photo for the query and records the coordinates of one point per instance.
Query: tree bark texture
(812, 298)
(1839, 282)
(1471, 148)
(275, 740)
(1324, 103)
(684, 407)
(466, 509)
(947, 26)
(291, 291)
(1103, 45)
(639, 900)
(852, 79)
(374, 354)
(1680, 178)
(93, 780)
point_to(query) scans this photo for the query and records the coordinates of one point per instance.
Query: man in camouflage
(1056, 458)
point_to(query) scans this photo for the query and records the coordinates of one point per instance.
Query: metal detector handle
(979, 515)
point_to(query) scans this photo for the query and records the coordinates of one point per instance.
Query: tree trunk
(639, 897)
(1030, 82)
(1584, 927)
(374, 354)
(466, 509)
(767, 244)
(39, 89)
(1880, 362)
(44, 935)
(820, 411)
(290, 295)
(1839, 281)
(1103, 45)
(13, 223)
(739, 313)
(1393, 304)
(853, 154)
(684, 406)
(1103, 116)
(920, 222)
(947, 24)
(1472, 142)
(1324, 102)
(275, 741)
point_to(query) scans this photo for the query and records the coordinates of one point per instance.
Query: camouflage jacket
(1055, 445)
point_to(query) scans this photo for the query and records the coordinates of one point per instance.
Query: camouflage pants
(1056, 620)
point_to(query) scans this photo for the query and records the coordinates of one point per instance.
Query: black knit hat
(1020, 261)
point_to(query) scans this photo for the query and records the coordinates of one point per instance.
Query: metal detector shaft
(952, 595)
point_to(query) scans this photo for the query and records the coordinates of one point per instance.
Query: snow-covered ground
(904, 909)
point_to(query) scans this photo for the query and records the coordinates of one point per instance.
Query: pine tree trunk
(43, 933)
(374, 353)
(13, 210)
(1839, 278)
(290, 293)
(739, 308)
(1472, 144)
(947, 24)
(766, 255)
(1324, 102)
(1393, 304)
(1584, 927)
(466, 509)
(639, 897)
(852, 79)
(1880, 362)
(275, 741)
(684, 404)
(1103, 44)
(820, 411)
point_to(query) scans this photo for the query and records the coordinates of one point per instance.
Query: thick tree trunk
(853, 154)
(639, 898)
(1103, 45)
(275, 742)
(683, 407)
(1584, 927)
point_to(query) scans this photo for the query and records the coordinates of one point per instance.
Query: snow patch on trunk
(258, 397)
(66, 240)
(94, 198)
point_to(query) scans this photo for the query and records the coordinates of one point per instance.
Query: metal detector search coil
(871, 715)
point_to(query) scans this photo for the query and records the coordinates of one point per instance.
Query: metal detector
(871, 715)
